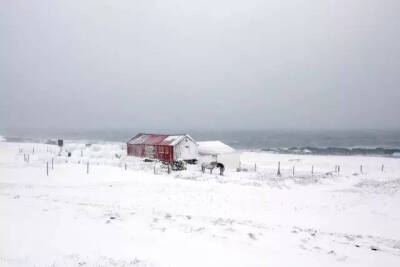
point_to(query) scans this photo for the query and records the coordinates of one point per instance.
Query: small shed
(217, 151)
(165, 147)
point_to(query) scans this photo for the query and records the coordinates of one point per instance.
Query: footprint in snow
(252, 236)
(374, 248)
(332, 252)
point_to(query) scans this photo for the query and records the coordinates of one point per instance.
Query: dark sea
(322, 142)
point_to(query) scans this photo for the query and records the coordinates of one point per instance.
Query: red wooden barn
(164, 147)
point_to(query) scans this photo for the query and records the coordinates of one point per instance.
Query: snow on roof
(174, 139)
(214, 148)
(157, 139)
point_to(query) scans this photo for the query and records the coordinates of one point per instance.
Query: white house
(217, 151)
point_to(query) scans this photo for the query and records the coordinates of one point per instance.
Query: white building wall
(185, 150)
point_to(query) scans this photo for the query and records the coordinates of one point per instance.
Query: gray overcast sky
(200, 64)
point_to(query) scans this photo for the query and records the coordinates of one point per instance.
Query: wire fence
(49, 156)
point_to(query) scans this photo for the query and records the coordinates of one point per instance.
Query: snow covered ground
(132, 217)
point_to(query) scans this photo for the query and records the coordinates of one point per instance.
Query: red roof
(157, 139)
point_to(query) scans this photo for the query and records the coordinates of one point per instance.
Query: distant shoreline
(296, 150)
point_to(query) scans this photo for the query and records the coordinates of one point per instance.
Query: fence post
(47, 168)
(255, 167)
(293, 170)
(383, 167)
(312, 170)
(87, 169)
(279, 169)
(361, 169)
(169, 168)
(33, 150)
(52, 163)
(125, 166)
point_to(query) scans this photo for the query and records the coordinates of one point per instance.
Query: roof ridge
(163, 134)
(163, 139)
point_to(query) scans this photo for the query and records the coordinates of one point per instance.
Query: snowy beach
(126, 212)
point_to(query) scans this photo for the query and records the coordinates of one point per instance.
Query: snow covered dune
(116, 217)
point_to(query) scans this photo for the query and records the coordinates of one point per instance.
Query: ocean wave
(376, 151)
(387, 151)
